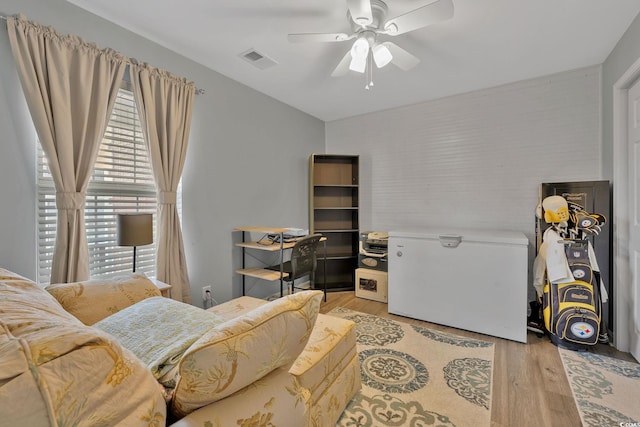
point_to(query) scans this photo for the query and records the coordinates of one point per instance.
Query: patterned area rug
(606, 390)
(414, 376)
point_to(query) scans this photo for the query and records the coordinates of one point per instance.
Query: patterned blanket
(159, 330)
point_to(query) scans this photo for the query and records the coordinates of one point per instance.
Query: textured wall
(474, 160)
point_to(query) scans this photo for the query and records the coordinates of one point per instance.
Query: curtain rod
(198, 90)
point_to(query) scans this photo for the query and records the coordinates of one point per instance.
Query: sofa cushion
(93, 300)
(63, 371)
(243, 350)
(17, 382)
(237, 307)
(158, 330)
(273, 400)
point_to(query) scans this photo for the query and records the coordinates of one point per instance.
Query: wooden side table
(165, 288)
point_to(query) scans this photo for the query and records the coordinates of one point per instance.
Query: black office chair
(303, 261)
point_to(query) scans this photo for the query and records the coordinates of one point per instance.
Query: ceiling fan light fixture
(360, 48)
(381, 55)
(368, 20)
(358, 65)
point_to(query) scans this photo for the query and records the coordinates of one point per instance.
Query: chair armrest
(332, 344)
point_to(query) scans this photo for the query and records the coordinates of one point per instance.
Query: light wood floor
(529, 384)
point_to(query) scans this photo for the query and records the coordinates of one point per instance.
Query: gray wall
(17, 171)
(474, 160)
(621, 59)
(246, 163)
(626, 52)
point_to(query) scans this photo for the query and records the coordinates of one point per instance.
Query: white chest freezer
(468, 279)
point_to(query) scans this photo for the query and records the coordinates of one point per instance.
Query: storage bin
(469, 279)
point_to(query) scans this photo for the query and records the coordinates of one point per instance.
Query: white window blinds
(122, 182)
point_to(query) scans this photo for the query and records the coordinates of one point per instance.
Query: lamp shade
(135, 229)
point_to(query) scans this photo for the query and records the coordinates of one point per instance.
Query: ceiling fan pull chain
(367, 71)
(366, 74)
(370, 69)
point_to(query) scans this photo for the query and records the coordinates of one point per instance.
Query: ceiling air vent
(257, 59)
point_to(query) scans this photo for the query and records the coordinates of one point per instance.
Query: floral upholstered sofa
(115, 352)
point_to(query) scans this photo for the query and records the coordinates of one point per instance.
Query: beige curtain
(70, 87)
(165, 104)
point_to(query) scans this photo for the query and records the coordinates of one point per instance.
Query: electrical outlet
(204, 292)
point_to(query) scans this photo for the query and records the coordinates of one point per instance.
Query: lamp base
(134, 259)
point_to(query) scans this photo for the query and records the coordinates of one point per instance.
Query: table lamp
(135, 230)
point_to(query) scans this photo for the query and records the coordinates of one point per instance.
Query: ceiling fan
(368, 20)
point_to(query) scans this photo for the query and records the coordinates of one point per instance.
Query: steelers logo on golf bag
(582, 330)
(579, 273)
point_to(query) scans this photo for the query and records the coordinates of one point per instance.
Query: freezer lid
(467, 235)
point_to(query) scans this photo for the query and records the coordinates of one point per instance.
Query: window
(122, 182)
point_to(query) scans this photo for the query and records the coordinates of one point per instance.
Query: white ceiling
(486, 43)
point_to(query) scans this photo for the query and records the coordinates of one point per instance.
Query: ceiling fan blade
(401, 58)
(438, 11)
(318, 37)
(343, 67)
(360, 11)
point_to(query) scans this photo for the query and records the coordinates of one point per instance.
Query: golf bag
(572, 310)
(567, 276)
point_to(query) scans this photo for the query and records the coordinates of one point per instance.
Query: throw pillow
(242, 350)
(93, 300)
